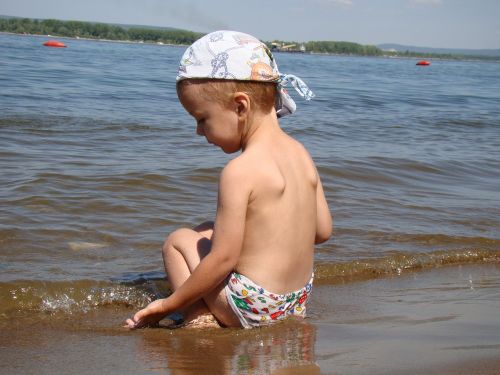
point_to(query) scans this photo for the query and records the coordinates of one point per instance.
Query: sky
(471, 24)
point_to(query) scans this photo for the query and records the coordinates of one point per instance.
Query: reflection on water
(270, 350)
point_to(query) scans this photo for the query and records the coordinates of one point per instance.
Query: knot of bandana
(238, 56)
(286, 105)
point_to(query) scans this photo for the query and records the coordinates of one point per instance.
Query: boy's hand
(149, 316)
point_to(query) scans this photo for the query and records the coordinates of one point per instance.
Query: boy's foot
(176, 321)
(203, 321)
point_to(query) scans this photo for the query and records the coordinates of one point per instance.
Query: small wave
(80, 245)
(398, 263)
(83, 296)
(426, 239)
(127, 179)
(75, 296)
(204, 175)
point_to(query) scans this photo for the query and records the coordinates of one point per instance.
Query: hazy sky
(429, 23)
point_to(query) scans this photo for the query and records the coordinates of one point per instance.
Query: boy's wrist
(168, 304)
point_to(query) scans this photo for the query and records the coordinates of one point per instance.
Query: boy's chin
(230, 149)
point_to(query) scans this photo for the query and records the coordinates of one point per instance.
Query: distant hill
(130, 26)
(452, 51)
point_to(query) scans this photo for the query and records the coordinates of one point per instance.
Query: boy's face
(217, 123)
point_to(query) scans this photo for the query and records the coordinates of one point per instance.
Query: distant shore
(177, 37)
(464, 58)
(95, 39)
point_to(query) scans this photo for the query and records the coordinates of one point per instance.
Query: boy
(253, 266)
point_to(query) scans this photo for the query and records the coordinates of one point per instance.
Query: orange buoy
(423, 63)
(54, 43)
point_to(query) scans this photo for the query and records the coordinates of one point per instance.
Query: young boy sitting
(254, 265)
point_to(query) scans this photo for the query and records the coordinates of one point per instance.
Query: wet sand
(441, 321)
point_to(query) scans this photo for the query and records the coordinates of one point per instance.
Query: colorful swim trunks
(255, 306)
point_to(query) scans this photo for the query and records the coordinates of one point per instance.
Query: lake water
(99, 162)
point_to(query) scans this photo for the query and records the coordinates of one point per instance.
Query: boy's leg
(182, 252)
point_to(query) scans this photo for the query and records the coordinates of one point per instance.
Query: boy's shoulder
(237, 170)
(254, 164)
(256, 159)
(244, 172)
(247, 160)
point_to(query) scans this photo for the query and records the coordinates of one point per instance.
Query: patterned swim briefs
(255, 306)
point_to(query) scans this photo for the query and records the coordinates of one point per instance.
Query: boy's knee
(175, 238)
(205, 229)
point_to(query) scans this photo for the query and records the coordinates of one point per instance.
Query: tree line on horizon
(93, 30)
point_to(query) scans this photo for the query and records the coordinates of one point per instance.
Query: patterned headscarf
(237, 56)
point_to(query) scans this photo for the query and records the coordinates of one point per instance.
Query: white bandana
(237, 56)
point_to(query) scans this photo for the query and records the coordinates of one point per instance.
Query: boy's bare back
(280, 225)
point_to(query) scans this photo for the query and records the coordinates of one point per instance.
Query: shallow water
(99, 162)
(438, 321)
(426, 322)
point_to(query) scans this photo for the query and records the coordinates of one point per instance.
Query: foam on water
(72, 297)
(81, 296)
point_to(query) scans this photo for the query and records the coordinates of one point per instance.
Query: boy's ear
(242, 103)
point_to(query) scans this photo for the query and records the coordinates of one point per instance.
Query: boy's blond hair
(262, 94)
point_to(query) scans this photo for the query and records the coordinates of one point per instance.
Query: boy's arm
(227, 241)
(324, 221)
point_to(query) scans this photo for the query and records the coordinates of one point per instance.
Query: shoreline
(313, 53)
(96, 39)
(439, 321)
